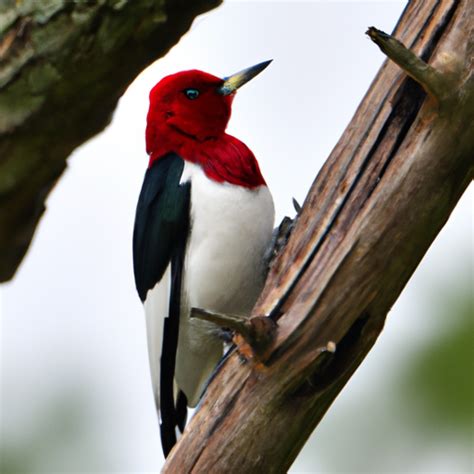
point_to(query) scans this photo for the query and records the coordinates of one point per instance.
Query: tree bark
(63, 67)
(374, 209)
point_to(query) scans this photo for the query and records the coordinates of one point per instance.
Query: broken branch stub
(257, 331)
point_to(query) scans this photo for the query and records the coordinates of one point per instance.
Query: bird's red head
(186, 105)
(188, 115)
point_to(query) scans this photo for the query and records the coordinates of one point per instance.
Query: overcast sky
(71, 319)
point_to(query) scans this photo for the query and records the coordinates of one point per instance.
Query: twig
(257, 331)
(432, 80)
(297, 206)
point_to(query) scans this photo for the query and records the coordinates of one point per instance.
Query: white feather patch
(156, 309)
(231, 227)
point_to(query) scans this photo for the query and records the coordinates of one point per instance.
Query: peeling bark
(63, 67)
(374, 209)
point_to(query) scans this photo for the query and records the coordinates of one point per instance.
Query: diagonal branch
(383, 195)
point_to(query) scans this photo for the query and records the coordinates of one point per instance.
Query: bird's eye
(191, 94)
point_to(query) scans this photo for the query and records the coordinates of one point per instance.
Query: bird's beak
(232, 83)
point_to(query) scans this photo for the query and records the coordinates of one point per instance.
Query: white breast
(231, 227)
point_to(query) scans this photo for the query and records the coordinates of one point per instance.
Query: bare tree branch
(374, 209)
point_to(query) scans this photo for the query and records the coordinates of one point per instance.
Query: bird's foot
(226, 335)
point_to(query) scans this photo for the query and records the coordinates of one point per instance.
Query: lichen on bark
(63, 67)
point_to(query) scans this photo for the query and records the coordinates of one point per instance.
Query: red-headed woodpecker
(204, 220)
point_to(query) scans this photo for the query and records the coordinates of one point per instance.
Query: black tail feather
(173, 414)
(181, 410)
(167, 407)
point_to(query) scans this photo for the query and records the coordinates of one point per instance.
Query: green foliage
(440, 382)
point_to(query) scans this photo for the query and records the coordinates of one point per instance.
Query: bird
(203, 222)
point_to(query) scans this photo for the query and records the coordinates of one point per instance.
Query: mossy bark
(63, 67)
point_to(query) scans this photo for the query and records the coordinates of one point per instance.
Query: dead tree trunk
(383, 195)
(63, 67)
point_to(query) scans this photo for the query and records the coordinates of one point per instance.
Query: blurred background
(75, 389)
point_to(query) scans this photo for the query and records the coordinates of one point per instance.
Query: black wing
(161, 221)
(159, 239)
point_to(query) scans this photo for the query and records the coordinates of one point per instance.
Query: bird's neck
(223, 158)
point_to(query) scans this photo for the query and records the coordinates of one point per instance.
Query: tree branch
(383, 195)
(63, 67)
(433, 81)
